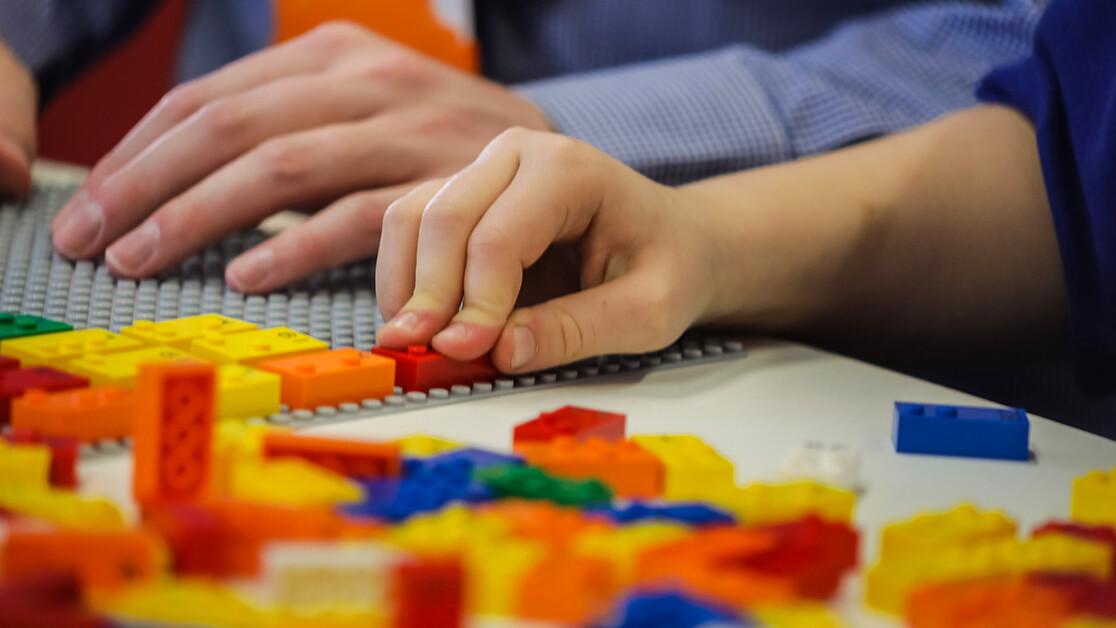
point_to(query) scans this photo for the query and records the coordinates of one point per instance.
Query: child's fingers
(395, 259)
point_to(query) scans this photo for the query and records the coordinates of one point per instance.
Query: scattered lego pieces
(244, 392)
(833, 465)
(15, 326)
(573, 422)
(253, 347)
(420, 368)
(1000, 433)
(693, 469)
(1094, 498)
(86, 414)
(333, 377)
(358, 459)
(534, 483)
(58, 349)
(181, 332)
(14, 384)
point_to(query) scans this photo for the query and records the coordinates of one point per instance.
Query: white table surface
(754, 410)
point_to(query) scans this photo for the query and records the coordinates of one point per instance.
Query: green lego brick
(15, 326)
(534, 483)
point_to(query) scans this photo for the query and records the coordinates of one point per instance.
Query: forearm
(939, 237)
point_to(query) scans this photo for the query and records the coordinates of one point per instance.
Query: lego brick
(624, 466)
(692, 514)
(933, 532)
(8, 364)
(1000, 433)
(835, 465)
(120, 369)
(331, 378)
(797, 615)
(14, 384)
(315, 578)
(173, 429)
(193, 602)
(61, 507)
(102, 559)
(250, 348)
(1099, 533)
(192, 534)
(47, 600)
(811, 554)
(86, 414)
(429, 592)
(25, 465)
(244, 392)
(990, 602)
(653, 609)
(58, 349)
(364, 459)
(693, 469)
(622, 546)
(556, 527)
(479, 458)
(573, 422)
(566, 589)
(1094, 498)
(495, 571)
(534, 483)
(290, 482)
(452, 530)
(15, 326)
(420, 368)
(423, 445)
(64, 453)
(760, 504)
(424, 488)
(180, 332)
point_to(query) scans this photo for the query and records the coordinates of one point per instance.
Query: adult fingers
(345, 231)
(217, 133)
(18, 101)
(395, 263)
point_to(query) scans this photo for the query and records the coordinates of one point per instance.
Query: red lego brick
(811, 554)
(8, 363)
(173, 430)
(628, 469)
(353, 458)
(577, 423)
(46, 600)
(1101, 534)
(64, 453)
(331, 378)
(87, 414)
(429, 592)
(15, 383)
(101, 559)
(420, 368)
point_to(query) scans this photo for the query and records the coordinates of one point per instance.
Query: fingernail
(251, 268)
(523, 346)
(405, 322)
(132, 252)
(456, 332)
(81, 228)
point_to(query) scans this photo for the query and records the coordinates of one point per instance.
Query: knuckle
(182, 101)
(575, 337)
(557, 149)
(223, 118)
(401, 214)
(336, 36)
(486, 244)
(285, 161)
(439, 120)
(395, 67)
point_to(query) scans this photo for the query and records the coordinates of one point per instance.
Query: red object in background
(580, 424)
(421, 368)
(91, 115)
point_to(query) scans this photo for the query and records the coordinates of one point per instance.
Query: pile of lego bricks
(276, 375)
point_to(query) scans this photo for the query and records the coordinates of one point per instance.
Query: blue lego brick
(479, 458)
(425, 486)
(671, 610)
(1001, 433)
(694, 514)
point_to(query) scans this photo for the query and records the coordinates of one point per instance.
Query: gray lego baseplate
(338, 306)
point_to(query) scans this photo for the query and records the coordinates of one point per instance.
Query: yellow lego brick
(448, 531)
(180, 332)
(120, 369)
(252, 347)
(933, 532)
(56, 350)
(177, 602)
(761, 504)
(25, 465)
(1094, 498)
(63, 508)
(494, 572)
(804, 615)
(290, 482)
(888, 584)
(244, 392)
(622, 546)
(421, 445)
(693, 469)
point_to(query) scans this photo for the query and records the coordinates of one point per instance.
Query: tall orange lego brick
(173, 429)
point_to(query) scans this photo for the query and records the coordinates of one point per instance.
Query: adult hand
(647, 264)
(339, 116)
(18, 104)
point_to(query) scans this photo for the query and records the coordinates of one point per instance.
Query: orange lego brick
(992, 603)
(628, 469)
(87, 414)
(567, 589)
(553, 525)
(353, 458)
(102, 559)
(173, 430)
(333, 377)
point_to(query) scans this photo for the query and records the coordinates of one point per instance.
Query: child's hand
(647, 266)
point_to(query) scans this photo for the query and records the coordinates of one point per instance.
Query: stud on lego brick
(15, 384)
(58, 349)
(180, 332)
(252, 347)
(333, 377)
(87, 414)
(120, 369)
(574, 422)
(420, 369)
(1094, 498)
(627, 469)
(173, 428)
(353, 458)
(1000, 433)
(244, 392)
(693, 469)
(15, 326)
